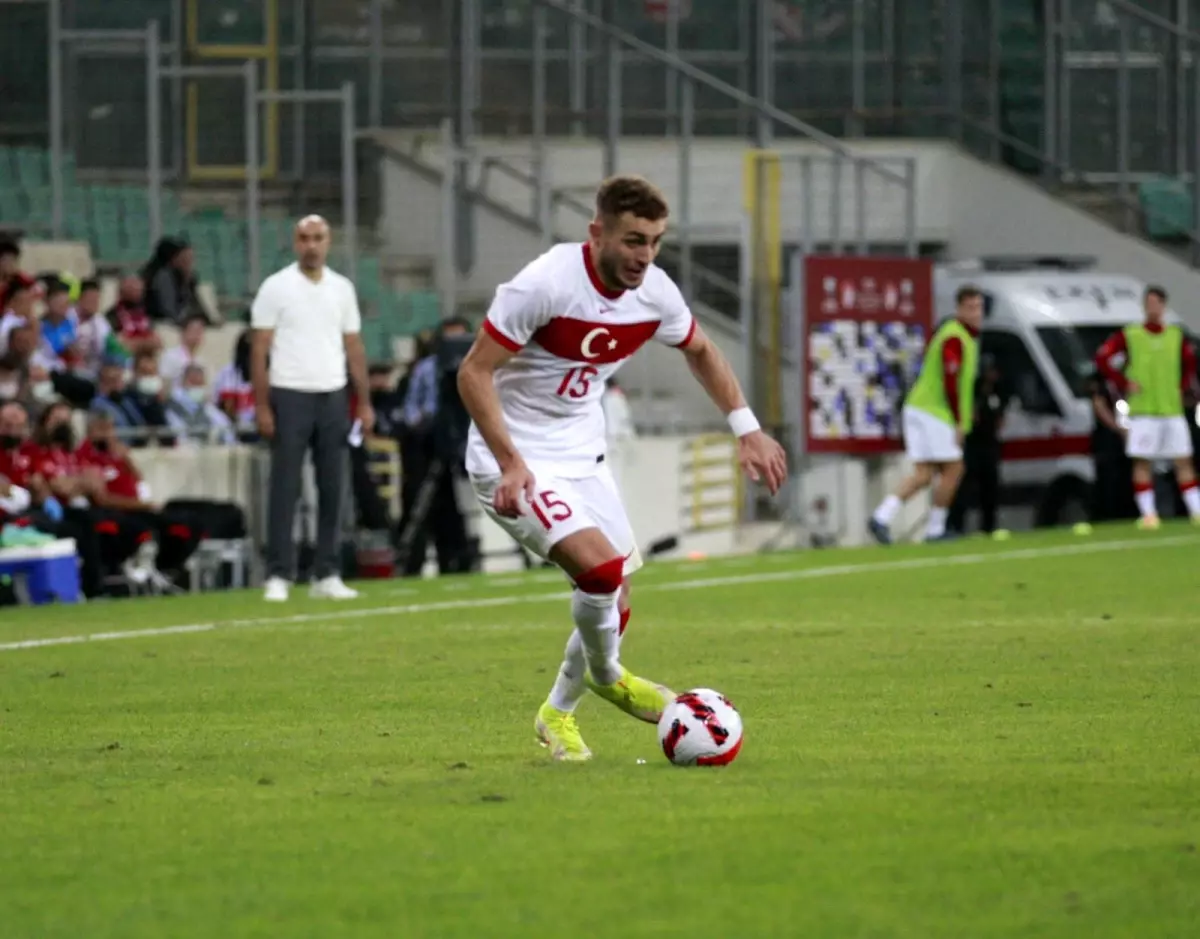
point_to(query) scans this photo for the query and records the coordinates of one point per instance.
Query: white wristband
(742, 421)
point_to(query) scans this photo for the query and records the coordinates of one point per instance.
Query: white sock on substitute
(1191, 498)
(887, 510)
(599, 624)
(569, 687)
(1145, 501)
(937, 522)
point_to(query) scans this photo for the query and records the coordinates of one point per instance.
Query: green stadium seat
(1167, 208)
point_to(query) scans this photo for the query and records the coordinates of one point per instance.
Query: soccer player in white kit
(533, 383)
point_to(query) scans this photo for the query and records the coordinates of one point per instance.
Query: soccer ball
(700, 728)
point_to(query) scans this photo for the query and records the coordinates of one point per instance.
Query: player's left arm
(761, 457)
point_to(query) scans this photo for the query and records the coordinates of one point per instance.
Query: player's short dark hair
(89, 284)
(1154, 290)
(966, 292)
(634, 194)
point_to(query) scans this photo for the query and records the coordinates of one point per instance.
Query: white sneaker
(276, 590)
(332, 588)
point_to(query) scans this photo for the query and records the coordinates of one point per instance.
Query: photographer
(435, 424)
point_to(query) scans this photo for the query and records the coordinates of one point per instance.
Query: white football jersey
(570, 333)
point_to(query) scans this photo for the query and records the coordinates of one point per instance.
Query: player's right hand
(516, 485)
(264, 417)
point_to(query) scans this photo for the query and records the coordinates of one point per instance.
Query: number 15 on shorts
(549, 509)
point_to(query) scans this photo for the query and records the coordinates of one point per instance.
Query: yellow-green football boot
(638, 697)
(558, 732)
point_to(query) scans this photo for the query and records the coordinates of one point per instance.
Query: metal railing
(1115, 87)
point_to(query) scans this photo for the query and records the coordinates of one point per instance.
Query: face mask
(9, 390)
(100, 446)
(149, 384)
(63, 436)
(199, 395)
(42, 391)
(9, 441)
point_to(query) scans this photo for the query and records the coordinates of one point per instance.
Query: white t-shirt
(174, 363)
(310, 320)
(570, 334)
(92, 337)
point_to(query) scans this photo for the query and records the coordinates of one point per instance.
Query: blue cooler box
(47, 574)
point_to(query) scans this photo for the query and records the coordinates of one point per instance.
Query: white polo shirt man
(309, 315)
(310, 321)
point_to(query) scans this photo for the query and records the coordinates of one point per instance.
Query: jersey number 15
(577, 382)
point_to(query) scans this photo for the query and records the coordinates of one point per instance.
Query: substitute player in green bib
(937, 418)
(1153, 366)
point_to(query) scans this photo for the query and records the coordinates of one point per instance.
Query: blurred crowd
(81, 388)
(58, 345)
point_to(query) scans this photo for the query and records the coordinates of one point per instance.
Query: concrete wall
(576, 164)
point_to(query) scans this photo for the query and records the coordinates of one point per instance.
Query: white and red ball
(700, 728)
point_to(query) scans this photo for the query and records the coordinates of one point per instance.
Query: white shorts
(928, 440)
(1158, 438)
(562, 507)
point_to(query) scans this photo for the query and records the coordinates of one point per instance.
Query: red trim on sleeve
(952, 358)
(1188, 374)
(492, 330)
(594, 276)
(690, 333)
(1113, 346)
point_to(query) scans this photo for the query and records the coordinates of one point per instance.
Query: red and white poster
(866, 322)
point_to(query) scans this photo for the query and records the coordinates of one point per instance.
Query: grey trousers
(303, 420)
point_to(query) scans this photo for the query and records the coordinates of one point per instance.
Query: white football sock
(887, 510)
(1145, 501)
(569, 687)
(1191, 498)
(598, 622)
(937, 522)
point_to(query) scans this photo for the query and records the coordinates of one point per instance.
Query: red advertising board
(866, 323)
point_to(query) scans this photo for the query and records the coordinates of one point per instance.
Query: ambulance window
(1018, 371)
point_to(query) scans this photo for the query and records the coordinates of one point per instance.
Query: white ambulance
(1044, 320)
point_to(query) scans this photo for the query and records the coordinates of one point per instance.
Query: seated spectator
(44, 376)
(10, 261)
(34, 380)
(170, 281)
(177, 529)
(139, 411)
(21, 294)
(15, 499)
(59, 491)
(128, 318)
(57, 326)
(191, 411)
(94, 340)
(11, 380)
(178, 358)
(233, 391)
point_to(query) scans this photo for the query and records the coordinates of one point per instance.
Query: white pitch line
(811, 573)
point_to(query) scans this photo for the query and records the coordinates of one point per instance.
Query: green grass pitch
(961, 741)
